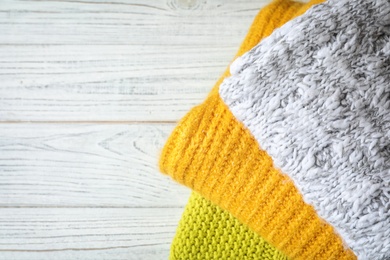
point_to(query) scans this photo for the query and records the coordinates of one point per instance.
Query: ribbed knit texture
(316, 96)
(225, 237)
(208, 232)
(214, 154)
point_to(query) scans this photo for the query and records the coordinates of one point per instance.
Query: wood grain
(132, 22)
(75, 165)
(114, 61)
(57, 233)
(105, 83)
(90, 90)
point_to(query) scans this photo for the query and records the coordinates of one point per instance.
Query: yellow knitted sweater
(214, 154)
(206, 231)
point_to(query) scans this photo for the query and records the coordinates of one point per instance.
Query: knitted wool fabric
(321, 110)
(315, 96)
(208, 232)
(205, 231)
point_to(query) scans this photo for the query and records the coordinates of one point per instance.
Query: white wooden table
(89, 92)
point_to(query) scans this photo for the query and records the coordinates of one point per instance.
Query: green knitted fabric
(208, 232)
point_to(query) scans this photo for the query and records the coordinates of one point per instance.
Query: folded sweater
(206, 231)
(296, 144)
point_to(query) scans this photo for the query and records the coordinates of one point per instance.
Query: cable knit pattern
(316, 97)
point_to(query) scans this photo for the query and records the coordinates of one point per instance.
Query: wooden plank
(114, 60)
(106, 83)
(162, 22)
(76, 165)
(58, 233)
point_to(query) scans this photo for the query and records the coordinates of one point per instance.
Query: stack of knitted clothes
(289, 155)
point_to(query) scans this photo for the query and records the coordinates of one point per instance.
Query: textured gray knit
(316, 96)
